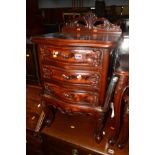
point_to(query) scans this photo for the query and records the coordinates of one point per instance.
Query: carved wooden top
(87, 30)
(83, 39)
(91, 23)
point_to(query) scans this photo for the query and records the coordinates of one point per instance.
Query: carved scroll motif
(46, 72)
(93, 58)
(91, 22)
(96, 57)
(72, 96)
(94, 79)
(44, 53)
(48, 90)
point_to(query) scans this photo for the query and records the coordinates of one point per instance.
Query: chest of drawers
(74, 75)
(74, 68)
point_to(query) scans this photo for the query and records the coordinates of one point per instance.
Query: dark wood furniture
(121, 93)
(74, 66)
(69, 134)
(92, 24)
(32, 68)
(124, 131)
(34, 26)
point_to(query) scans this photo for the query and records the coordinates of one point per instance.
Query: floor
(72, 135)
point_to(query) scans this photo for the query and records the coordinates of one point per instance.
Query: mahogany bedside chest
(74, 66)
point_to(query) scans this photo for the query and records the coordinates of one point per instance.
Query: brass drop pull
(66, 77)
(67, 95)
(55, 53)
(75, 152)
(72, 127)
(79, 77)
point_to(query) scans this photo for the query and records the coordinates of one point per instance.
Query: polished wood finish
(121, 97)
(68, 134)
(118, 96)
(124, 136)
(91, 23)
(74, 68)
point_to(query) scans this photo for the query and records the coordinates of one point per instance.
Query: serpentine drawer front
(75, 56)
(88, 78)
(81, 69)
(71, 95)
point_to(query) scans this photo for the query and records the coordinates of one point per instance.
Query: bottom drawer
(72, 95)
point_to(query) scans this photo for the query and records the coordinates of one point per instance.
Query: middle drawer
(87, 78)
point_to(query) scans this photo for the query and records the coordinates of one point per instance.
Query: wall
(53, 10)
(68, 3)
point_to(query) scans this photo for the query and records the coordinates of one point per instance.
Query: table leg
(125, 125)
(120, 88)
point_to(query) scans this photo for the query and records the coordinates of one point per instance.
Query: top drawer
(82, 56)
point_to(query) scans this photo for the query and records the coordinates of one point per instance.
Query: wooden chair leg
(51, 112)
(101, 121)
(46, 117)
(124, 136)
(122, 83)
(103, 117)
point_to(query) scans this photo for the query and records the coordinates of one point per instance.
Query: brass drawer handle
(55, 53)
(67, 77)
(67, 95)
(75, 152)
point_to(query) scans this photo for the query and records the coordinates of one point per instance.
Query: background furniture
(32, 68)
(124, 131)
(121, 94)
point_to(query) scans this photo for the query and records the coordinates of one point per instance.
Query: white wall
(68, 3)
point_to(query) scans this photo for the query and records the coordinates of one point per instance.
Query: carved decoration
(44, 52)
(46, 72)
(48, 90)
(96, 57)
(78, 97)
(90, 22)
(92, 79)
(93, 57)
